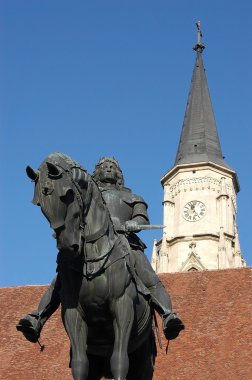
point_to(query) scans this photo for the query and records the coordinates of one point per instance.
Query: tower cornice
(199, 166)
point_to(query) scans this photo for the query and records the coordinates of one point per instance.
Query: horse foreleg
(76, 329)
(123, 320)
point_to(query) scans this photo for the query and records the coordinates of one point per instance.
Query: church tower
(199, 192)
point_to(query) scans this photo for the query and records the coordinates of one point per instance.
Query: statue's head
(108, 171)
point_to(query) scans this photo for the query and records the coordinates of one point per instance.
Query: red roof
(216, 307)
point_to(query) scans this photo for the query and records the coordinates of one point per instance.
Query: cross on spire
(199, 47)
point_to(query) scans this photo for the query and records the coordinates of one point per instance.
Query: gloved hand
(131, 226)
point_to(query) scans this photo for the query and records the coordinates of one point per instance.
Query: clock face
(194, 210)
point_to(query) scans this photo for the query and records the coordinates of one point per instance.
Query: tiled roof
(216, 307)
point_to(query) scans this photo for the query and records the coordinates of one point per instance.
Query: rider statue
(128, 211)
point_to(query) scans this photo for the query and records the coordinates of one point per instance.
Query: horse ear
(53, 171)
(32, 174)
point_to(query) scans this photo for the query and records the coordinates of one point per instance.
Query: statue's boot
(32, 323)
(172, 324)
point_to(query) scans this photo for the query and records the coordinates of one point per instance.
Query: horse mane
(64, 161)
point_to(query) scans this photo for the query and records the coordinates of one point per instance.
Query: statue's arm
(139, 214)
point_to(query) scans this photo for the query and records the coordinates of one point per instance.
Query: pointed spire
(199, 141)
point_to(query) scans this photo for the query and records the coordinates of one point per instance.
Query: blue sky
(96, 78)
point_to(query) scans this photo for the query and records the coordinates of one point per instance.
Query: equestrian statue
(106, 286)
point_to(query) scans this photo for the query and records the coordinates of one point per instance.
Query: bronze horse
(108, 321)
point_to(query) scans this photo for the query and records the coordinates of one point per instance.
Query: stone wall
(216, 307)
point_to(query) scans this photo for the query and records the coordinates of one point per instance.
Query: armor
(123, 205)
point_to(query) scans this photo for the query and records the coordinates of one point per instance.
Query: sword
(150, 226)
(142, 227)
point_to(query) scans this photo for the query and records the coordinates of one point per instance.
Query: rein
(97, 235)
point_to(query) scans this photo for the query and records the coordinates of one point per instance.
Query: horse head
(60, 188)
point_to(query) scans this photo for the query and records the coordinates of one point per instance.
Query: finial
(199, 47)
(199, 31)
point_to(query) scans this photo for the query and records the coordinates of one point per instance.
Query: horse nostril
(45, 190)
(75, 247)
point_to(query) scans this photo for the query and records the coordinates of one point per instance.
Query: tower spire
(199, 141)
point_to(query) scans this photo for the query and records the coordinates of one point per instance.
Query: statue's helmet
(98, 168)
